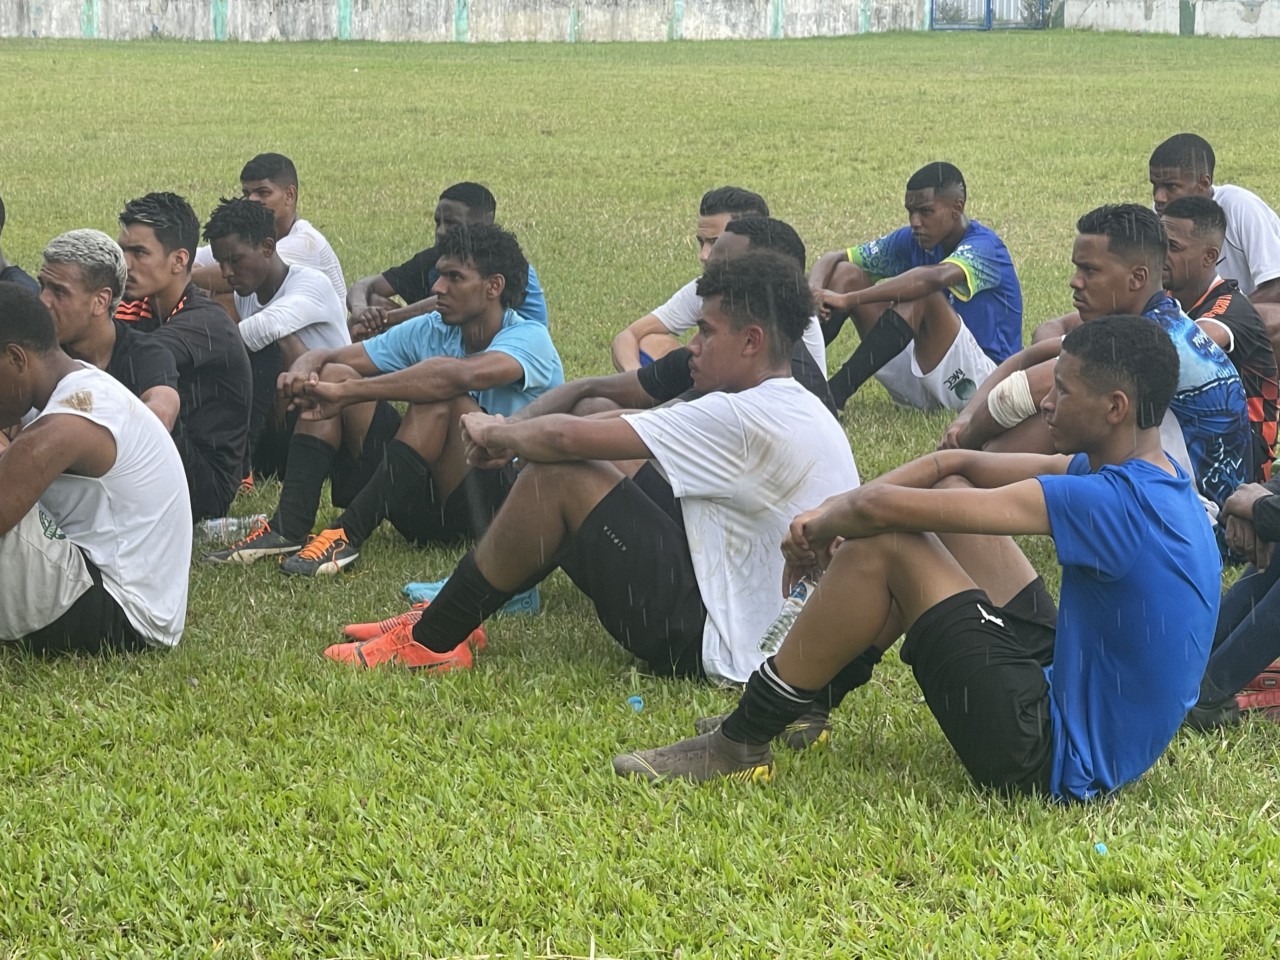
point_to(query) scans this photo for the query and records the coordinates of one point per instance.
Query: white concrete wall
(1231, 18)
(461, 20)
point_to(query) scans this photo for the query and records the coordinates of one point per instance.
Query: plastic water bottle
(791, 608)
(228, 529)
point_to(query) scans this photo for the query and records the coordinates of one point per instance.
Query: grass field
(241, 797)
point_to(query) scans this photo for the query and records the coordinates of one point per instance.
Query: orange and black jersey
(1254, 359)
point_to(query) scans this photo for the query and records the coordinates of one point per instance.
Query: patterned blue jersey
(1209, 403)
(989, 301)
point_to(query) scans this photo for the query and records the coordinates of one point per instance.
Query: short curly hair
(766, 288)
(491, 250)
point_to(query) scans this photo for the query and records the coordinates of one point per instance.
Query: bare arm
(974, 425)
(358, 297)
(165, 403)
(210, 278)
(553, 438)
(61, 443)
(626, 345)
(820, 275)
(1058, 327)
(913, 284)
(622, 388)
(1267, 292)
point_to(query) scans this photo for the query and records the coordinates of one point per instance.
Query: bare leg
(658, 345)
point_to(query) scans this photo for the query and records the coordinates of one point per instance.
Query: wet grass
(241, 798)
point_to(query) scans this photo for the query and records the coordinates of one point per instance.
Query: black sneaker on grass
(1203, 718)
(325, 554)
(263, 542)
(806, 731)
(707, 757)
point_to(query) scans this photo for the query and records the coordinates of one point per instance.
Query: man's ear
(494, 285)
(1212, 254)
(268, 247)
(102, 298)
(755, 340)
(291, 194)
(180, 261)
(1139, 274)
(1118, 407)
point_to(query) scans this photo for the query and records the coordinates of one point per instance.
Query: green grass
(243, 798)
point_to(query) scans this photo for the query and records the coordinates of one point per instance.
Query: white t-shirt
(1251, 252)
(133, 522)
(680, 313)
(304, 245)
(744, 465)
(305, 304)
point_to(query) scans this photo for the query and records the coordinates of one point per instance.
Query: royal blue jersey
(1140, 585)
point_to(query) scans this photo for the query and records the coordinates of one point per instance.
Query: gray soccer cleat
(705, 757)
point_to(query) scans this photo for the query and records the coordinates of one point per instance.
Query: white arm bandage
(1009, 401)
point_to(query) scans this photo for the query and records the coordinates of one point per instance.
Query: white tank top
(133, 522)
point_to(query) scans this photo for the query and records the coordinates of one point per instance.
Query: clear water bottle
(227, 529)
(791, 608)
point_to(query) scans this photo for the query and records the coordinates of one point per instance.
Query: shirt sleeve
(405, 344)
(668, 376)
(297, 305)
(1259, 235)
(701, 445)
(981, 268)
(411, 280)
(204, 257)
(886, 257)
(149, 365)
(1090, 524)
(534, 306)
(680, 313)
(529, 344)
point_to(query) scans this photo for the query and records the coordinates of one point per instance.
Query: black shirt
(668, 377)
(15, 274)
(412, 280)
(214, 381)
(139, 363)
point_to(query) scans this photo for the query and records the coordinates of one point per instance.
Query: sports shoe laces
(260, 531)
(321, 544)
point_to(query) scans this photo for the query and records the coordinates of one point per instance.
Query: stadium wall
(1220, 18)
(458, 20)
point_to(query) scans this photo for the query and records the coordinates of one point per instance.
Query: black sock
(465, 602)
(403, 475)
(767, 706)
(882, 343)
(832, 326)
(851, 676)
(310, 462)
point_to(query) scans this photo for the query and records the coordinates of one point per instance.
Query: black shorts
(94, 624)
(981, 668)
(631, 557)
(465, 514)
(211, 490)
(351, 474)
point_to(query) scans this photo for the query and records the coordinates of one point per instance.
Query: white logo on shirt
(988, 618)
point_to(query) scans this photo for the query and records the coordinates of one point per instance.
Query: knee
(952, 483)
(337, 373)
(592, 405)
(848, 277)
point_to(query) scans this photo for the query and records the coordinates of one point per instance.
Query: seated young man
(81, 280)
(474, 353)
(11, 272)
(729, 467)
(272, 180)
(1183, 166)
(1242, 673)
(369, 301)
(95, 525)
(158, 234)
(1195, 227)
(1131, 538)
(284, 311)
(1119, 256)
(937, 303)
(655, 334)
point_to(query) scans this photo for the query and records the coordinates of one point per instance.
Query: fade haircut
(170, 218)
(275, 167)
(491, 250)
(474, 196)
(247, 219)
(25, 321)
(734, 201)
(1208, 220)
(1133, 232)
(939, 177)
(766, 233)
(98, 257)
(766, 288)
(1184, 151)
(1131, 354)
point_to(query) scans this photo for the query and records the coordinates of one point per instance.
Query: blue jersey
(427, 336)
(1209, 404)
(1140, 585)
(989, 301)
